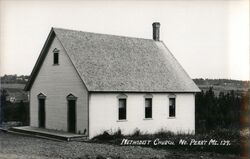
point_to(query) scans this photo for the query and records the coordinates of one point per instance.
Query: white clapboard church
(88, 83)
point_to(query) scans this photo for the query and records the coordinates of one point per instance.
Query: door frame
(41, 96)
(71, 97)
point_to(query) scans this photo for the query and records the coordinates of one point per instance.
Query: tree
(4, 94)
(213, 112)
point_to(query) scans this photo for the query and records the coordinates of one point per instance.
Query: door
(41, 114)
(72, 116)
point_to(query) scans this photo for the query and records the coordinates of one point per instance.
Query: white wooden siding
(104, 113)
(56, 82)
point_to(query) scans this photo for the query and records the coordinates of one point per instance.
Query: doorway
(41, 114)
(72, 116)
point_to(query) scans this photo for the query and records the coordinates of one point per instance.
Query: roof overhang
(40, 60)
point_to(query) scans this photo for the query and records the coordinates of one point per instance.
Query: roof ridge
(123, 36)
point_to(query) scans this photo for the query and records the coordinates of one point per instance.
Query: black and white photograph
(125, 79)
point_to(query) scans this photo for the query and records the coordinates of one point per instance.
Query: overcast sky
(210, 38)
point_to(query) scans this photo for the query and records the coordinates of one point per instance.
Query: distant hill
(14, 79)
(14, 85)
(223, 85)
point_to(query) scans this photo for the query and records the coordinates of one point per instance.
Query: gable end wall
(57, 82)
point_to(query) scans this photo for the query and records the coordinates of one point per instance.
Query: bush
(17, 112)
(103, 137)
(163, 134)
(118, 134)
(106, 136)
(136, 133)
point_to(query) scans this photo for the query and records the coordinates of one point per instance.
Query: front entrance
(41, 114)
(72, 116)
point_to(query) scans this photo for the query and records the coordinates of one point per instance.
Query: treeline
(221, 82)
(22, 79)
(223, 111)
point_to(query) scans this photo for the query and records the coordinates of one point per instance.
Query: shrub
(103, 137)
(163, 134)
(118, 134)
(136, 133)
(17, 112)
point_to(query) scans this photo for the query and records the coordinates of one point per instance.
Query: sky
(210, 38)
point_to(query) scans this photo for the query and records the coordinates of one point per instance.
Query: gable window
(56, 56)
(172, 108)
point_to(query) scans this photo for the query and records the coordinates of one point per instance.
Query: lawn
(14, 146)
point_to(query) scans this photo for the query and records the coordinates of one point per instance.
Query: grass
(227, 141)
(24, 147)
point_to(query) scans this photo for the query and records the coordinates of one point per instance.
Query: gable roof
(109, 63)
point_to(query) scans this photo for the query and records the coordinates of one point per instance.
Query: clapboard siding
(56, 82)
(104, 113)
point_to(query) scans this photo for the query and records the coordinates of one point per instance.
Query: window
(56, 56)
(122, 109)
(56, 59)
(148, 107)
(171, 107)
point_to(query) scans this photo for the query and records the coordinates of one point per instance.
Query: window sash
(122, 109)
(172, 108)
(148, 107)
(56, 58)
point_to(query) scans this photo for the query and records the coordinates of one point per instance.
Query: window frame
(41, 97)
(56, 54)
(121, 97)
(170, 107)
(71, 98)
(148, 97)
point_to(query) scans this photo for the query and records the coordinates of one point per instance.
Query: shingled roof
(109, 63)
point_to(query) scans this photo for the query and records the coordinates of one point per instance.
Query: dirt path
(23, 147)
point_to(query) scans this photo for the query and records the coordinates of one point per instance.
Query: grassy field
(22, 147)
(15, 92)
(12, 85)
